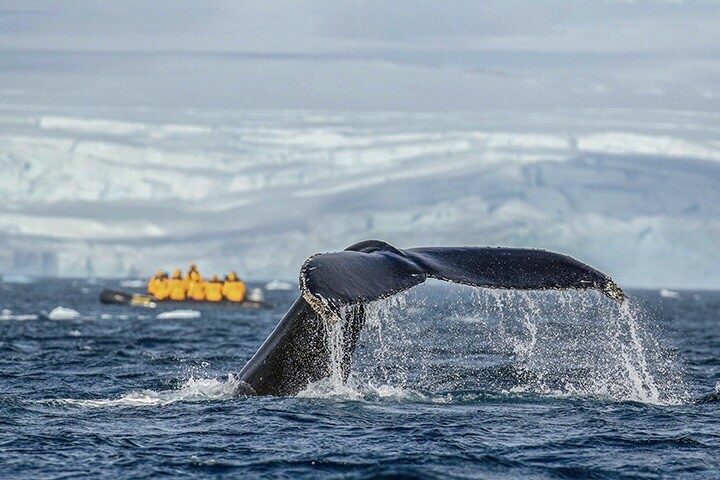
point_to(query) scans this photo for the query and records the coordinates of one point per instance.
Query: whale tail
(297, 353)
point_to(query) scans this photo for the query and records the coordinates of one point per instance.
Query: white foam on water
(193, 390)
(330, 388)
(355, 389)
(392, 391)
(178, 315)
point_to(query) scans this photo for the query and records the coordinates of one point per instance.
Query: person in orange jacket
(177, 287)
(154, 282)
(196, 289)
(213, 289)
(233, 289)
(162, 287)
(188, 278)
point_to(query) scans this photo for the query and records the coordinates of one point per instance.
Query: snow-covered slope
(109, 192)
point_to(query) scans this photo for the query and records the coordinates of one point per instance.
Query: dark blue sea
(448, 383)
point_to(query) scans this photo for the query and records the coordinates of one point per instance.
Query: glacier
(121, 192)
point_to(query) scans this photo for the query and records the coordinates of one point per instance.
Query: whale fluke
(372, 270)
(296, 353)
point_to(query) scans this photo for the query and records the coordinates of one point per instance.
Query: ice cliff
(123, 192)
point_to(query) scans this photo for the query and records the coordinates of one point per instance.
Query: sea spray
(587, 345)
(386, 322)
(548, 342)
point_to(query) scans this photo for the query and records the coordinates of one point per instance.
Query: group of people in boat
(192, 286)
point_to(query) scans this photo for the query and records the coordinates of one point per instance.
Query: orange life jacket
(154, 282)
(162, 289)
(177, 289)
(196, 291)
(213, 291)
(234, 290)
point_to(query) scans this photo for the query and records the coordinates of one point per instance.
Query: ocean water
(449, 382)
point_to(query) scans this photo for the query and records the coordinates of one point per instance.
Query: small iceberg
(178, 314)
(665, 293)
(130, 283)
(62, 313)
(279, 285)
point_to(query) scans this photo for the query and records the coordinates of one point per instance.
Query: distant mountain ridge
(110, 192)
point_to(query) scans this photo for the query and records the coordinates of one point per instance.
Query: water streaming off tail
(558, 343)
(335, 384)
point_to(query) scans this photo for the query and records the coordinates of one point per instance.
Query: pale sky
(370, 55)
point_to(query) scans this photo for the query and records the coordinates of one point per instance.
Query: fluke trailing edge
(296, 353)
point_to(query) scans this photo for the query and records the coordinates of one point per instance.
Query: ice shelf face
(111, 192)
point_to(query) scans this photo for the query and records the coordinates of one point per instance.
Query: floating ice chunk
(178, 314)
(7, 314)
(132, 283)
(62, 313)
(665, 293)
